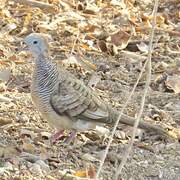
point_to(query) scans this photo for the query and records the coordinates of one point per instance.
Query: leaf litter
(107, 44)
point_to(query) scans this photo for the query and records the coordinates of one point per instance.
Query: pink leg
(55, 137)
(70, 138)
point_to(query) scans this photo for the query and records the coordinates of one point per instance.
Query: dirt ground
(26, 151)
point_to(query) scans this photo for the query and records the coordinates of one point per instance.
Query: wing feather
(76, 100)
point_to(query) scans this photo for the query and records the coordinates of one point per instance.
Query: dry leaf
(88, 173)
(91, 9)
(120, 39)
(80, 173)
(143, 47)
(102, 46)
(173, 83)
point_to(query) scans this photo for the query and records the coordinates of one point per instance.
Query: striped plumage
(47, 81)
(64, 100)
(45, 78)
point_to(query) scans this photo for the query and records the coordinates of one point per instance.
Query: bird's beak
(23, 47)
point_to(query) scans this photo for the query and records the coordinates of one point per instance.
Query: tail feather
(125, 119)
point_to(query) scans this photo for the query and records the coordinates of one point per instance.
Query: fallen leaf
(80, 173)
(91, 9)
(173, 83)
(120, 39)
(143, 47)
(87, 173)
(102, 46)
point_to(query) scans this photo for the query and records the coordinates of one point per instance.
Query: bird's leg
(55, 137)
(71, 137)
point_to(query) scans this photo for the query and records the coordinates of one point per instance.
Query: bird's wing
(74, 99)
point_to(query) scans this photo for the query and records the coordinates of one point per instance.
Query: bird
(65, 101)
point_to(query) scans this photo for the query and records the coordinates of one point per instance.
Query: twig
(148, 80)
(118, 119)
(117, 122)
(38, 4)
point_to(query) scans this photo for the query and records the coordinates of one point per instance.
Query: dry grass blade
(148, 81)
(141, 110)
(117, 122)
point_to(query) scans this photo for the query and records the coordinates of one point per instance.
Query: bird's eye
(35, 42)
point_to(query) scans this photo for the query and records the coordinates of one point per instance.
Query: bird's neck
(45, 74)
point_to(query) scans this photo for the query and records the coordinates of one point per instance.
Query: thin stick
(117, 122)
(148, 81)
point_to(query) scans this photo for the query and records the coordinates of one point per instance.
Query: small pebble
(43, 165)
(36, 169)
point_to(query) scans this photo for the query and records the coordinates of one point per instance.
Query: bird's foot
(55, 137)
(70, 138)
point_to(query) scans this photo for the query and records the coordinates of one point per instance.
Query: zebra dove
(64, 100)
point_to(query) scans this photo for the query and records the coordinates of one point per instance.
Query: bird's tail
(125, 119)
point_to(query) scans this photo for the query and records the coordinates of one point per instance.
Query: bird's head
(36, 44)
